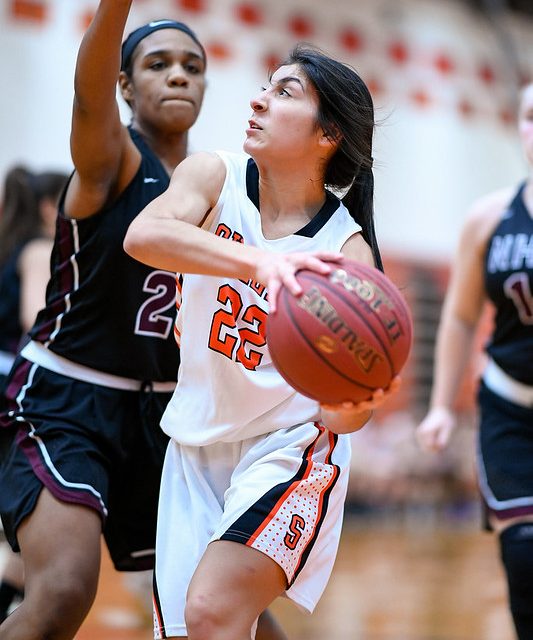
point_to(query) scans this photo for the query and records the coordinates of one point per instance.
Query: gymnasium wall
(442, 80)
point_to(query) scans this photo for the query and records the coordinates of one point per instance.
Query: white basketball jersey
(228, 389)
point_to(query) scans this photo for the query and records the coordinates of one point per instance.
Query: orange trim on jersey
(158, 617)
(177, 335)
(289, 490)
(331, 446)
(320, 515)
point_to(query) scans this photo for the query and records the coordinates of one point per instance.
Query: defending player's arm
(104, 156)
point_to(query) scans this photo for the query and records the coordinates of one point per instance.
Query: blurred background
(444, 74)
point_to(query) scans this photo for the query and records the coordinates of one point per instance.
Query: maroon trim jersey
(509, 285)
(104, 309)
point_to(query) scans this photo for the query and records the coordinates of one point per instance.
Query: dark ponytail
(345, 114)
(359, 200)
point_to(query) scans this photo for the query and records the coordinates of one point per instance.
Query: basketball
(349, 333)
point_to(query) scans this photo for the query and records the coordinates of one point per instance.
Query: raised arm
(104, 157)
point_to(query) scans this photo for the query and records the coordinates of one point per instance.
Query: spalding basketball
(349, 333)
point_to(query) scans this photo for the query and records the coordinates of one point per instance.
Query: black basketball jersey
(104, 309)
(10, 327)
(509, 284)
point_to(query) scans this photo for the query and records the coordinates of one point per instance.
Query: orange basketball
(349, 333)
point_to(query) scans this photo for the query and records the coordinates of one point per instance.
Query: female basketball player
(259, 470)
(86, 394)
(495, 262)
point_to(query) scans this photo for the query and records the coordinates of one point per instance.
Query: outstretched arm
(103, 154)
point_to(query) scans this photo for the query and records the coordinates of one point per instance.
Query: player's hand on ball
(347, 417)
(378, 398)
(348, 334)
(276, 270)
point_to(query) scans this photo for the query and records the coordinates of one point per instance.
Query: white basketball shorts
(297, 476)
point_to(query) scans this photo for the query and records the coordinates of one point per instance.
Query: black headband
(128, 46)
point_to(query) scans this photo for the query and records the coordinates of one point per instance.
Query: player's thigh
(60, 544)
(232, 577)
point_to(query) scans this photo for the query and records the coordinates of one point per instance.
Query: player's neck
(285, 190)
(170, 148)
(287, 205)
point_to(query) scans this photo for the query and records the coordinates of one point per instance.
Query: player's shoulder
(491, 205)
(204, 159)
(202, 167)
(485, 213)
(356, 248)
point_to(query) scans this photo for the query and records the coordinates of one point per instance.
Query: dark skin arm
(104, 156)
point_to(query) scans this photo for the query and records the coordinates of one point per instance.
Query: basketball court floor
(392, 581)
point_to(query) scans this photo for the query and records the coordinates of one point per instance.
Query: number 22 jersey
(228, 388)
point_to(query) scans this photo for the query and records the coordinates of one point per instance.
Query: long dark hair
(20, 216)
(346, 114)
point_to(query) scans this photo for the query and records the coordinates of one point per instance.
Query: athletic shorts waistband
(501, 383)
(39, 354)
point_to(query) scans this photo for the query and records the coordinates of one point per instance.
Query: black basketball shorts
(89, 445)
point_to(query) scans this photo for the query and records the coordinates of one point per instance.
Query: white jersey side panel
(228, 388)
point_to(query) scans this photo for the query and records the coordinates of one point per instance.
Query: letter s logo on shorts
(296, 528)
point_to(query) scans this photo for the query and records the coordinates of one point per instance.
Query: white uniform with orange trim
(247, 460)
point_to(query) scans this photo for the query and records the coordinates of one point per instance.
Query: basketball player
(259, 471)
(86, 394)
(495, 262)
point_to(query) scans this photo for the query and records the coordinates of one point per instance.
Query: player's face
(525, 122)
(284, 120)
(168, 81)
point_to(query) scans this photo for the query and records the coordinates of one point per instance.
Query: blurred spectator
(27, 222)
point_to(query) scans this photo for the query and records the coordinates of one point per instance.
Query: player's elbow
(135, 239)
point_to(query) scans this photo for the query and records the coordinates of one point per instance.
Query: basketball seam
(331, 288)
(329, 364)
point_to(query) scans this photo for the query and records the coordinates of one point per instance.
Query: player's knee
(516, 545)
(58, 605)
(208, 618)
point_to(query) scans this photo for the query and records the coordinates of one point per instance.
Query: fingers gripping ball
(349, 333)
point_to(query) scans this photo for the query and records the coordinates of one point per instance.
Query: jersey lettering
(150, 320)
(296, 529)
(224, 320)
(225, 232)
(510, 252)
(233, 342)
(517, 289)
